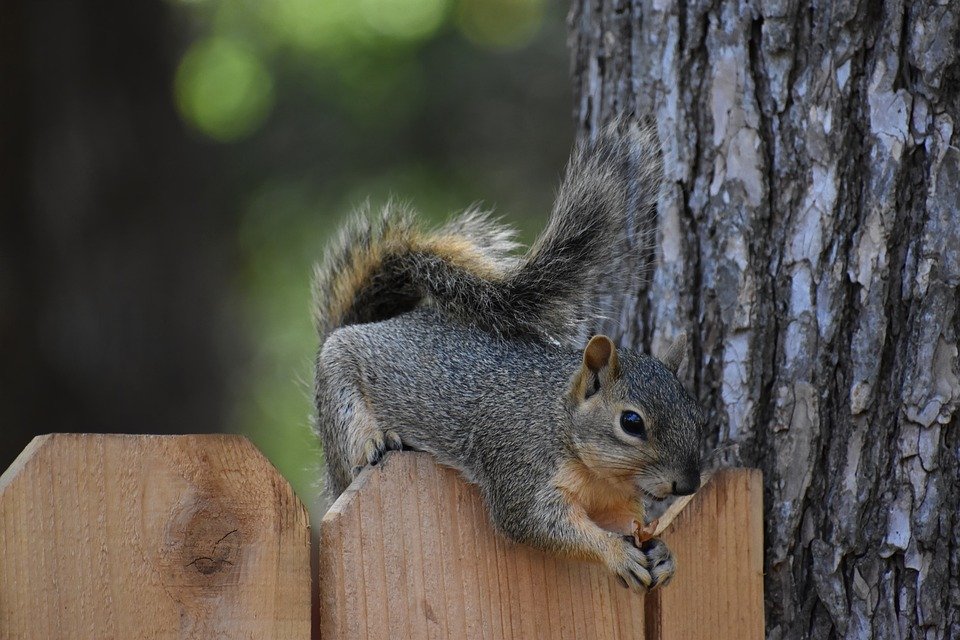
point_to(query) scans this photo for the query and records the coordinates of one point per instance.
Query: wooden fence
(109, 536)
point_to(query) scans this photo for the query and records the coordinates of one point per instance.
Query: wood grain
(408, 551)
(112, 536)
(717, 540)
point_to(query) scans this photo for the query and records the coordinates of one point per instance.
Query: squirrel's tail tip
(626, 139)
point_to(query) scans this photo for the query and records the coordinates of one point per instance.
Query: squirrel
(448, 342)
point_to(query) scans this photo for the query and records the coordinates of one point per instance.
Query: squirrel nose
(687, 486)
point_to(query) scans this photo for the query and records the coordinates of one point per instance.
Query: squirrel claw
(661, 563)
(374, 448)
(392, 440)
(630, 569)
(642, 557)
(647, 566)
(378, 445)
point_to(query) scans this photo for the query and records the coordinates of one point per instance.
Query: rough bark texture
(809, 243)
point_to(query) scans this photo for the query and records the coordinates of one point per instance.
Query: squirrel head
(632, 420)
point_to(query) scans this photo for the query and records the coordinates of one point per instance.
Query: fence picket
(108, 536)
(114, 536)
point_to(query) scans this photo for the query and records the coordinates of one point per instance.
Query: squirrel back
(380, 267)
(448, 343)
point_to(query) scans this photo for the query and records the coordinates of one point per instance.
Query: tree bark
(809, 244)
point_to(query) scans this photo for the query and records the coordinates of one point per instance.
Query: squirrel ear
(599, 367)
(599, 353)
(674, 355)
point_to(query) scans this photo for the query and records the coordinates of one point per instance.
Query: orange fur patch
(366, 262)
(461, 252)
(611, 503)
(597, 545)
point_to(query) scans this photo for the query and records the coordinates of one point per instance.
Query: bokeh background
(169, 171)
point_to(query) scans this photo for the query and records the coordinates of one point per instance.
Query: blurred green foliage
(323, 104)
(223, 89)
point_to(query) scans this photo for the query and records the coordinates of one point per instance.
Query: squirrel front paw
(661, 564)
(377, 446)
(630, 564)
(648, 566)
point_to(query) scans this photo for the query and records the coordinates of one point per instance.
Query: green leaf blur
(222, 89)
(319, 106)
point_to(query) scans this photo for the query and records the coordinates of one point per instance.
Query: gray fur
(550, 291)
(495, 240)
(477, 370)
(493, 409)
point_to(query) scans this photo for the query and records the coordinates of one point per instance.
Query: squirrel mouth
(650, 495)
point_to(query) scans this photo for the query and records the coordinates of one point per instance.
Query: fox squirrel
(446, 342)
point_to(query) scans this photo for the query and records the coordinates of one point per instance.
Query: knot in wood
(204, 543)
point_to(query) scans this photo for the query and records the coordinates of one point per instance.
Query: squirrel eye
(632, 423)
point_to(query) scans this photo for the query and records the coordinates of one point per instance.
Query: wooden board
(717, 541)
(408, 552)
(110, 536)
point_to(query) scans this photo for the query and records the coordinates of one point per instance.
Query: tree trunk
(809, 243)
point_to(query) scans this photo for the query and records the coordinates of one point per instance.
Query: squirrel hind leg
(375, 447)
(351, 435)
(368, 443)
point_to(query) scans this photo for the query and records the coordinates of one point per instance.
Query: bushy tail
(383, 266)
